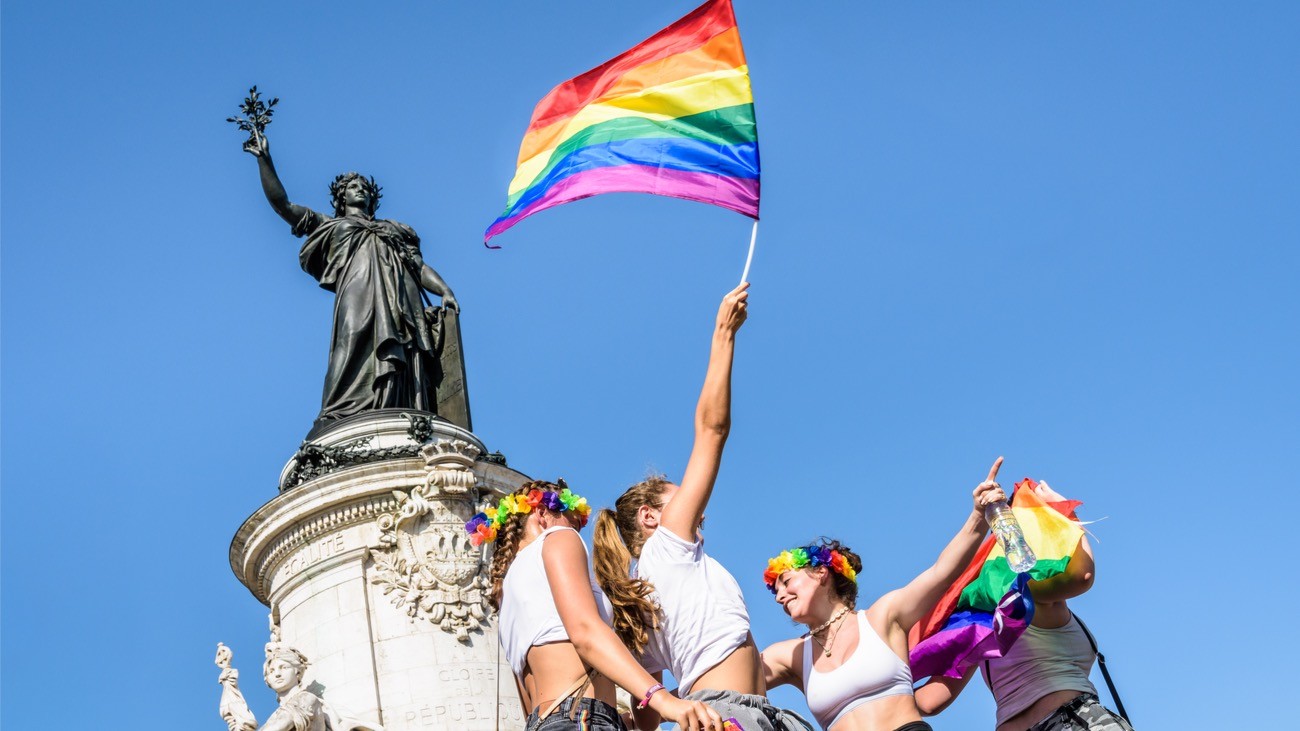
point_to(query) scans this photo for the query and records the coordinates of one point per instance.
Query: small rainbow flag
(673, 116)
(988, 607)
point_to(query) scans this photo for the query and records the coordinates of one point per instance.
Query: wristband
(645, 701)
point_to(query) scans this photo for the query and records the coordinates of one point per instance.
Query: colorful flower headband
(805, 557)
(482, 528)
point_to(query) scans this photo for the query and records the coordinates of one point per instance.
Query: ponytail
(635, 614)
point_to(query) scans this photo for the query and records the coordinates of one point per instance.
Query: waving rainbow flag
(672, 116)
(989, 606)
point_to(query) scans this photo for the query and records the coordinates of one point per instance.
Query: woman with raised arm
(678, 609)
(1042, 683)
(383, 351)
(852, 665)
(553, 621)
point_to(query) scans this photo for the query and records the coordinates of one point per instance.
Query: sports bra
(873, 671)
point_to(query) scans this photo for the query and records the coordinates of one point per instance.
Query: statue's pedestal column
(365, 563)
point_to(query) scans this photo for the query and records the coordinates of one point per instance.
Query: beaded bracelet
(651, 691)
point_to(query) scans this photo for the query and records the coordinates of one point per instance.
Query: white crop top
(1041, 661)
(528, 616)
(703, 610)
(873, 671)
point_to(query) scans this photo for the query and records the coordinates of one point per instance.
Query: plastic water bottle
(1020, 556)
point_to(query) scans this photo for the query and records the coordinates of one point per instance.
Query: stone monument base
(365, 564)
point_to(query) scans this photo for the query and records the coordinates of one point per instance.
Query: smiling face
(804, 594)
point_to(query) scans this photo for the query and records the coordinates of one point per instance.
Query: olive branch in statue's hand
(256, 115)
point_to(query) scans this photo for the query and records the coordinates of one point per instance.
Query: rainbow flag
(988, 607)
(672, 116)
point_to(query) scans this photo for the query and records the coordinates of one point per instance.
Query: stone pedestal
(365, 564)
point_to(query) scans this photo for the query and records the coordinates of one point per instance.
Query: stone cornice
(331, 502)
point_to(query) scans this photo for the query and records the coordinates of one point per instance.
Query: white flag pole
(753, 236)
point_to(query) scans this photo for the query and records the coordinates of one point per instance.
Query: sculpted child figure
(299, 709)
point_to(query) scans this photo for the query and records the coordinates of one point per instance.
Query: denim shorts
(589, 715)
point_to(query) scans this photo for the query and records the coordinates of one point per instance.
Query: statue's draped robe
(304, 710)
(383, 353)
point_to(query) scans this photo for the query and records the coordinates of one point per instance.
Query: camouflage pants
(1084, 713)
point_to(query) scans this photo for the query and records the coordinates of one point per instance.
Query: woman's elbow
(586, 636)
(930, 706)
(933, 697)
(716, 426)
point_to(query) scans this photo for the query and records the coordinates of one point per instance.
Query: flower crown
(482, 528)
(806, 557)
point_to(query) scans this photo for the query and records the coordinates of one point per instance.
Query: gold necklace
(830, 641)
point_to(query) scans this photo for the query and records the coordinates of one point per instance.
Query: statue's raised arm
(299, 710)
(388, 349)
(260, 148)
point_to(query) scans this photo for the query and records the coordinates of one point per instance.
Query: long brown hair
(507, 543)
(616, 541)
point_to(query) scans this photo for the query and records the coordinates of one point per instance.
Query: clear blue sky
(1067, 234)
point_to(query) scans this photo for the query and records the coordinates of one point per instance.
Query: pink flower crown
(805, 557)
(482, 528)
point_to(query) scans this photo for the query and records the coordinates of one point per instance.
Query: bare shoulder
(784, 648)
(561, 541)
(885, 609)
(783, 661)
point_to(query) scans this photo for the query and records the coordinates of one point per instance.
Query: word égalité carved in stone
(391, 347)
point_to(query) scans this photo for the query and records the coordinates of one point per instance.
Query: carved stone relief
(423, 560)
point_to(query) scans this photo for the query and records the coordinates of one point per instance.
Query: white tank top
(1041, 661)
(872, 671)
(703, 616)
(528, 616)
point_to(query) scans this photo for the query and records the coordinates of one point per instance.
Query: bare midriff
(551, 672)
(1040, 710)
(741, 671)
(882, 714)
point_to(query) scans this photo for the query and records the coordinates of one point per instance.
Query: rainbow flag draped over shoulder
(988, 607)
(672, 116)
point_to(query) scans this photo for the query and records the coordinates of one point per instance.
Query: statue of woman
(299, 710)
(385, 347)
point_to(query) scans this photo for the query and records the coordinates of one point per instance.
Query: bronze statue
(388, 350)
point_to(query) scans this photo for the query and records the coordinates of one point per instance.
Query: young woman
(1042, 683)
(852, 665)
(553, 619)
(679, 609)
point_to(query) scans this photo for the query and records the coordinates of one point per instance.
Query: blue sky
(1066, 234)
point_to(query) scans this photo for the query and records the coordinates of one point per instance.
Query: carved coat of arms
(424, 561)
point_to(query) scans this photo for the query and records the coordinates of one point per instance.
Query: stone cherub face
(282, 672)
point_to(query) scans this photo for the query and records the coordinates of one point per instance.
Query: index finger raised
(993, 471)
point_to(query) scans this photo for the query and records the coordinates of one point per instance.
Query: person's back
(553, 621)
